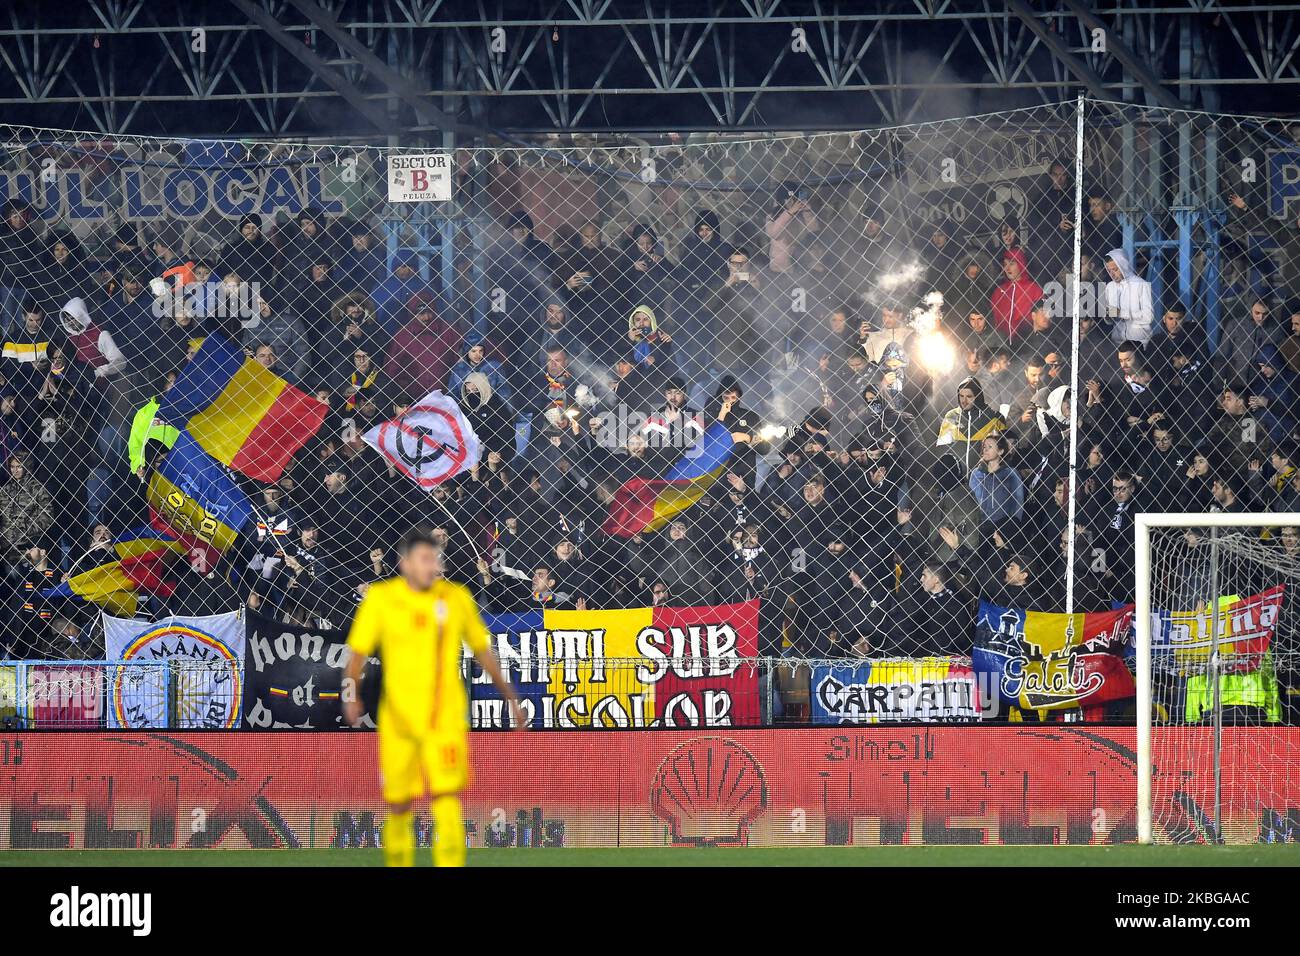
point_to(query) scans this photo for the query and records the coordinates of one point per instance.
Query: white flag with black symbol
(430, 443)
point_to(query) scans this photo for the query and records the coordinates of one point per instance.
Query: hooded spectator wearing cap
(969, 291)
(1129, 305)
(422, 352)
(1015, 297)
(251, 254)
(394, 293)
(360, 262)
(943, 261)
(312, 297)
(649, 272)
(700, 273)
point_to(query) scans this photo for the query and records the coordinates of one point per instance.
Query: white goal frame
(1142, 633)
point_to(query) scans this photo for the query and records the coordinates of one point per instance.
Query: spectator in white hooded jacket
(1128, 300)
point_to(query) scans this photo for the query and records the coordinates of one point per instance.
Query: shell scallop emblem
(709, 790)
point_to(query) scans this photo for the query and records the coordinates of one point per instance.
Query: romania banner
(1039, 660)
(871, 692)
(643, 667)
(647, 504)
(205, 656)
(192, 498)
(142, 555)
(240, 413)
(1184, 639)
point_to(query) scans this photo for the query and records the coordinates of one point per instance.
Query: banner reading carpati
(295, 678)
(202, 686)
(1047, 661)
(924, 689)
(641, 667)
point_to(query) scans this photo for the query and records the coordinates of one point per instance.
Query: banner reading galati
(640, 667)
(1048, 661)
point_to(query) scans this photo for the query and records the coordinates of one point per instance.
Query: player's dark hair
(415, 536)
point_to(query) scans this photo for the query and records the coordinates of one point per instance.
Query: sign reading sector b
(419, 178)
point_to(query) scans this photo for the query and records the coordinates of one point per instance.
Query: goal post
(1220, 528)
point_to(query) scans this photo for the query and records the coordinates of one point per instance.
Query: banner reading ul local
(641, 667)
(179, 673)
(923, 689)
(1046, 661)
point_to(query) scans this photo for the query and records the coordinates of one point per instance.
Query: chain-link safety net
(1238, 787)
(829, 371)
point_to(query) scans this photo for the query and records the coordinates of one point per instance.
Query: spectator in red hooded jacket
(1014, 299)
(423, 351)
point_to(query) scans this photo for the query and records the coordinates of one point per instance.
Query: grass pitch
(888, 856)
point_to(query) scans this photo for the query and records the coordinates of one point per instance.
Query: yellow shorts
(410, 767)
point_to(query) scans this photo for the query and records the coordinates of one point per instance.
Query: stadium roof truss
(374, 68)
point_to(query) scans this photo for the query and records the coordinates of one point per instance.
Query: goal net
(1218, 759)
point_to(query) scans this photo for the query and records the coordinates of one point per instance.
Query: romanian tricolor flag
(194, 501)
(141, 561)
(647, 504)
(240, 413)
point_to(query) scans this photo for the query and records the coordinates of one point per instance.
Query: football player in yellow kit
(417, 623)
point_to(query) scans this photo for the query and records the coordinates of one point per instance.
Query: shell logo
(709, 790)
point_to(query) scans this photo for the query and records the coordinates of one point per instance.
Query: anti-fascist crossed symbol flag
(429, 444)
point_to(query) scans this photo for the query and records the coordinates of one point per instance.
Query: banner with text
(204, 682)
(640, 667)
(294, 678)
(870, 692)
(1049, 661)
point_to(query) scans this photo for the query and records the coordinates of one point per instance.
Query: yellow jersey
(419, 636)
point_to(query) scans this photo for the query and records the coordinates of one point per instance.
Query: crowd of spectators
(889, 471)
